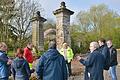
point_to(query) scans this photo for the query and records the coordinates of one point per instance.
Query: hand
(9, 61)
(79, 58)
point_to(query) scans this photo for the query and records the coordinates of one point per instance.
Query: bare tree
(20, 24)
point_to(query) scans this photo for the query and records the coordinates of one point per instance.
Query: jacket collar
(111, 46)
(29, 48)
(3, 52)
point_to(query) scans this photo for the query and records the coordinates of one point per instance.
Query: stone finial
(37, 17)
(38, 13)
(63, 5)
(63, 9)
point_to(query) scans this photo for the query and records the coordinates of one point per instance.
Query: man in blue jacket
(4, 62)
(51, 65)
(93, 64)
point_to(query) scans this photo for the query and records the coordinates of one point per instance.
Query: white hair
(94, 44)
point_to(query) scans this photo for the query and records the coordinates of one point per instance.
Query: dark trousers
(69, 68)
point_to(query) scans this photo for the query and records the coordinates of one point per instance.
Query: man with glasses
(93, 64)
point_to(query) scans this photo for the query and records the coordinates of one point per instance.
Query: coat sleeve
(25, 53)
(114, 56)
(13, 70)
(39, 67)
(27, 68)
(3, 58)
(89, 61)
(64, 69)
(105, 52)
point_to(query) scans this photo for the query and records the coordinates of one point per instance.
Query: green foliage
(15, 27)
(11, 53)
(40, 53)
(46, 45)
(93, 24)
(49, 24)
(6, 14)
(99, 21)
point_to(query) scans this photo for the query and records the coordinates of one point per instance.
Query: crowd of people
(55, 64)
(102, 56)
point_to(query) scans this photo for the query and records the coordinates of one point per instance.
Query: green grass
(11, 53)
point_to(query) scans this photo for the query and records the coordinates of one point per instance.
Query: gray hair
(52, 45)
(95, 44)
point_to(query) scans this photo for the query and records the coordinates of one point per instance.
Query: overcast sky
(75, 5)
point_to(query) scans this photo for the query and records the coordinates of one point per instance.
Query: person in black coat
(94, 63)
(105, 51)
(113, 60)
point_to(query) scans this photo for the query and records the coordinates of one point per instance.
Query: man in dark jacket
(105, 51)
(51, 65)
(4, 62)
(94, 63)
(113, 60)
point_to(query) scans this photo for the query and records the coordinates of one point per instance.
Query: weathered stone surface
(37, 31)
(62, 25)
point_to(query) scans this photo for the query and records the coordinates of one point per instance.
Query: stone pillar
(62, 25)
(37, 31)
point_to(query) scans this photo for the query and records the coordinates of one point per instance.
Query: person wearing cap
(51, 65)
